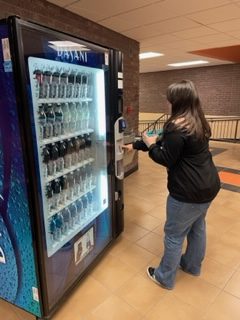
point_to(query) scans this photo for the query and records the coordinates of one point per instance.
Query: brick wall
(218, 88)
(48, 14)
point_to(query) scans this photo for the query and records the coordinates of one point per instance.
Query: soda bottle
(77, 185)
(45, 85)
(58, 124)
(68, 155)
(84, 86)
(63, 85)
(66, 118)
(53, 229)
(42, 120)
(70, 86)
(37, 82)
(81, 154)
(59, 225)
(64, 190)
(88, 144)
(73, 211)
(52, 163)
(66, 219)
(61, 154)
(46, 159)
(56, 187)
(71, 184)
(50, 121)
(54, 86)
(49, 195)
(77, 87)
(73, 116)
(79, 205)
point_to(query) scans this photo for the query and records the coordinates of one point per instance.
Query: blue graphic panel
(17, 267)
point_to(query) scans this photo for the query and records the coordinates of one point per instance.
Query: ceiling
(176, 28)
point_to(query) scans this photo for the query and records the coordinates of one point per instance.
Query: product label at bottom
(84, 245)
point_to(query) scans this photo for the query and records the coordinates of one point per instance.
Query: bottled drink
(85, 206)
(83, 175)
(77, 185)
(53, 229)
(76, 147)
(85, 115)
(54, 86)
(68, 155)
(78, 116)
(66, 219)
(84, 86)
(46, 159)
(42, 120)
(73, 210)
(37, 82)
(52, 163)
(90, 202)
(61, 154)
(89, 176)
(81, 154)
(73, 116)
(49, 195)
(45, 85)
(62, 86)
(58, 124)
(71, 184)
(50, 121)
(90, 87)
(66, 118)
(64, 190)
(70, 86)
(79, 205)
(77, 87)
(59, 221)
(88, 149)
(56, 187)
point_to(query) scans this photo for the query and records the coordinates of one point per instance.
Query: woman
(193, 182)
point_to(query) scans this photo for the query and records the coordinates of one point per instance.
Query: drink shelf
(66, 171)
(65, 136)
(56, 245)
(69, 202)
(62, 100)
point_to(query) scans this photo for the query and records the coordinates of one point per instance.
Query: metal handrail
(223, 128)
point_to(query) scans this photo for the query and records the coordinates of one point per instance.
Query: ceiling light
(147, 55)
(187, 63)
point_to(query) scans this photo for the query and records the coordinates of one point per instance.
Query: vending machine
(61, 161)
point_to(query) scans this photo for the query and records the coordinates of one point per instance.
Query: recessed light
(147, 55)
(187, 63)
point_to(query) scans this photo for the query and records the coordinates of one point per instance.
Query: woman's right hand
(127, 147)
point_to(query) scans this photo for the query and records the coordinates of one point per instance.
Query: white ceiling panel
(211, 16)
(231, 25)
(160, 28)
(172, 27)
(194, 32)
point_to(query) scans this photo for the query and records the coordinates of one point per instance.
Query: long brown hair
(187, 112)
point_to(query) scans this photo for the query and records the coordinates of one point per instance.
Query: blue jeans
(183, 220)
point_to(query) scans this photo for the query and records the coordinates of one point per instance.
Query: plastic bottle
(73, 117)
(61, 154)
(71, 184)
(53, 229)
(38, 77)
(42, 120)
(52, 163)
(45, 85)
(68, 154)
(49, 196)
(66, 118)
(64, 190)
(46, 159)
(50, 121)
(56, 187)
(54, 86)
(58, 124)
(62, 86)
(70, 86)
(59, 221)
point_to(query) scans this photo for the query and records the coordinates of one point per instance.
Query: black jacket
(192, 175)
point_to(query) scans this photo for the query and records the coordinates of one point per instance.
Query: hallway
(118, 287)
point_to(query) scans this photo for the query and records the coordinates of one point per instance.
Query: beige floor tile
(171, 308)
(152, 242)
(147, 221)
(233, 286)
(225, 307)
(8, 312)
(133, 232)
(22, 315)
(136, 256)
(115, 308)
(87, 296)
(112, 272)
(195, 291)
(215, 273)
(119, 245)
(141, 293)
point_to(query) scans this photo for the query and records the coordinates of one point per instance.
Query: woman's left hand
(149, 140)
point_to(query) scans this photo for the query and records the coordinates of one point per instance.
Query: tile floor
(118, 287)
